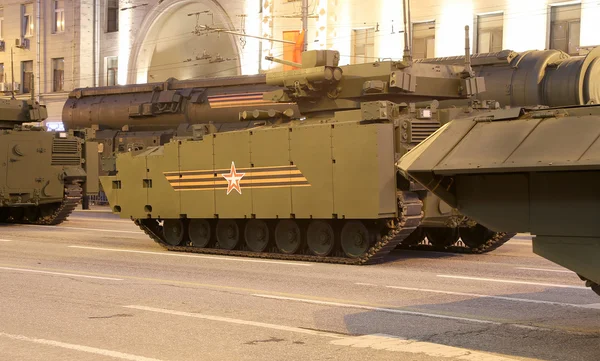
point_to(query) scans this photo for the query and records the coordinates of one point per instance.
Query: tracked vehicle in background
(41, 172)
(523, 170)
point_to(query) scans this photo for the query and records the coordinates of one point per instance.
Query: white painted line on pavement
(519, 243)
(94, 350)
(545, 270)
(513, 281)
(93, 210)
(86, 229)
(237, 321)
(365, 284)
(96, 219)
(60, 273)
(236, 259)
(377, 341)
(6, 240)
(398, 344)
(491, 296)
(380, 309)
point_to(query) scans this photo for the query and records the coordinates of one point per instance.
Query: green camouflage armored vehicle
(319, 186)
(523, 170)
(41, 171)
(135, 117)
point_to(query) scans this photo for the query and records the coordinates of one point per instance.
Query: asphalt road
(95, 288)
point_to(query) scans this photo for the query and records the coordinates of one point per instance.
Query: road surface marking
(512, 281)
(377, 341)
(545, 270)
(84, 229)
(236, 259)
(93, 210)
(491, 296)
(97, 351)
(95, 219)
(237, 321)
(399, 344)
(519, 243)
(381, 309)
(365, 284)
(6, 240)
(60, 273)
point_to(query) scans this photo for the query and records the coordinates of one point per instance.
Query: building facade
(59, 45)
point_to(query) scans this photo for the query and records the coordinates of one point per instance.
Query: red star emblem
(233, 179)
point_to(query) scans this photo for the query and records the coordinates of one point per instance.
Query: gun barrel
(167, 105)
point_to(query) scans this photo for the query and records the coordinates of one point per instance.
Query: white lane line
(88, 219)
(93, 210)
(237, 321)
(6, 240)
(381, 309)
(519, 243)
(515, 282)
(195, 256)
(94, 350)
(491, 296)
(377, 341)
(60, 273)
(365, 284)
(399, 344)
(86, 229)
(545, 270)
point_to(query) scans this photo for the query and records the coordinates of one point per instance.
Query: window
(423, 40)
(27, 10)
(26, 80)
(58, 74)
(564, 28)
(489, 33)
(59, 16)
(112, 67)
(289, 52)
(1, 73)
(112, 16)
(363, 45)
(1, 23)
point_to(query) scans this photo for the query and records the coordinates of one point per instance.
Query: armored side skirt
(341, 170)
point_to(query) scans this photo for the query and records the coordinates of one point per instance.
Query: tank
(41, 175)
(318, 186)
(530, 170)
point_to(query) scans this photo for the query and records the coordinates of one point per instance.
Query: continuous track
(410, 215)
(49, 214)
(497, 240)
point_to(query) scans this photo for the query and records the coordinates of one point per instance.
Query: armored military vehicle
(523, 170)
(315, 186)
(41, 171)
(138, 116)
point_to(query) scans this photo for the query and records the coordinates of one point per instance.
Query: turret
(15, 112)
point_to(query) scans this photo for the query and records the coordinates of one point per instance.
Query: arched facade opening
(167, 47)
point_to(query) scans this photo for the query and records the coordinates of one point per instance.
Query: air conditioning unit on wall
(22, 43)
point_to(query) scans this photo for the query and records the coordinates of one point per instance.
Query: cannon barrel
(166, 105)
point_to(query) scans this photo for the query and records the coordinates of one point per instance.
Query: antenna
(468, 70)
(407, 48)
(12, 73)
